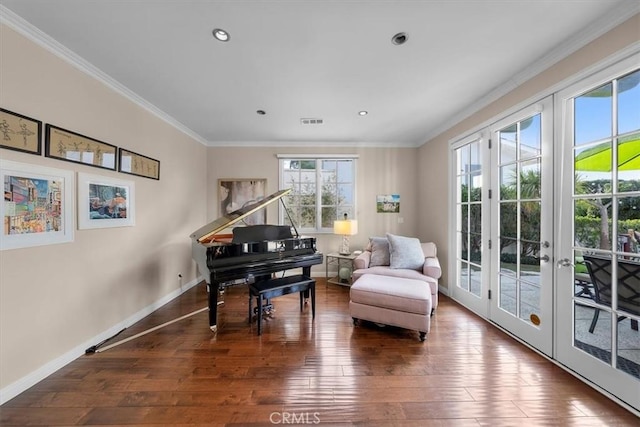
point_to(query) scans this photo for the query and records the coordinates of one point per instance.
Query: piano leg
(214, 288)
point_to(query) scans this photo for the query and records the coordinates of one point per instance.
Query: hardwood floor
(299, 371)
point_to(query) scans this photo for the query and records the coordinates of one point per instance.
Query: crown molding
(588, 34)
(17, 23)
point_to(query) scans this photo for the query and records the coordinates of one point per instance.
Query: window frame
(318, 229)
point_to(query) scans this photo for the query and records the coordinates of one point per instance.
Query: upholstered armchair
(397, 256)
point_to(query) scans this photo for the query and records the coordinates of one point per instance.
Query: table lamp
(345, 227)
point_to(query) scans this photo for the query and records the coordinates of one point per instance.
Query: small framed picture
(72, 147)
(105, 202)
(137, 164)
(20, 133)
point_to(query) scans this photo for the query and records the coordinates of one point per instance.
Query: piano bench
(267, 289)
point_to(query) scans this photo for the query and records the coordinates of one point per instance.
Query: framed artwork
(37, 207)
(388, 203)
(20, 133)
(105, 202)
(234, 194)
(137, 164)
(63, 144)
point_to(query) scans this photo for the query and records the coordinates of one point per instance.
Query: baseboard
(28, 381)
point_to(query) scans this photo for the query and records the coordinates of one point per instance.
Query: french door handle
(565, 262)
(544, 258)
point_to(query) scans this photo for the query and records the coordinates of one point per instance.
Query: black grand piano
(250, 253)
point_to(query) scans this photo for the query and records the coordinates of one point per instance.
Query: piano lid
(206, 232)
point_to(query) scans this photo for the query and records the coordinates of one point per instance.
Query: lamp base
(344, 247)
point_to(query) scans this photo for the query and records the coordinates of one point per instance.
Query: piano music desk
(267, 289)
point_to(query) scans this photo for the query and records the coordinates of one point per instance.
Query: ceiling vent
(311, 121)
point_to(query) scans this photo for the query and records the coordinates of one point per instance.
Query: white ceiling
(314, 59)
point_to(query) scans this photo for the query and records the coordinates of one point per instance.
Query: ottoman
(394, 301)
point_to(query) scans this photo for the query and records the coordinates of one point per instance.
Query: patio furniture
(628, 291)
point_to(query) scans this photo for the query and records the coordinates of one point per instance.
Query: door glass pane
(593, 115)
(508, 182)
(592, 225)
(508, 222)
(629, 162)
(475, 193)
(530, 182)
(463, 188)
(598, 342)
(463, 277)
(508, 140)
(529, 299)
(530, 138)
(475, 280)
(592, 165)
(629, 103)
(508, 256)
(508, 293)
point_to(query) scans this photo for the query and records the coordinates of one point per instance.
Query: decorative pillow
(405, 252)
(379, 251)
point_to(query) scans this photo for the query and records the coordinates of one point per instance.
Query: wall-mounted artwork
(234, 194)
(105, 202)
(21, 133)
(137, 164)
(63, 144)
(388, 203)
(37, 207)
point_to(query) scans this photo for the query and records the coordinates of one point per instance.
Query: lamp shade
(347, 227)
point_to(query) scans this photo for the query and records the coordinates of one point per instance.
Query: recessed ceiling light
(261, 112)
(400, 38)
(221, 35)
(363, 113)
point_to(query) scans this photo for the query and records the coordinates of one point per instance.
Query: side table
(339, 261)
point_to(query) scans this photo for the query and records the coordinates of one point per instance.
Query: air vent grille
(311, 121)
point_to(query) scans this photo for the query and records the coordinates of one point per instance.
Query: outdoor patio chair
(628, 286)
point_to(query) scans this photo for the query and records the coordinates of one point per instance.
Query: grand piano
(250, 253)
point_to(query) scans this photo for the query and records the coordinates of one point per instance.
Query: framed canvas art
(234, 194)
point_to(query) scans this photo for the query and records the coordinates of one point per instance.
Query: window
(323, 190)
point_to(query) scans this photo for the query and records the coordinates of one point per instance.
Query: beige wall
(54, 298)
(379, 171)
(434, 155)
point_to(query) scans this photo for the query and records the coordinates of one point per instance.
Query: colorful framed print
(20, 133)
(388, 203)
(105, 202)
(66, 145)
(137, 164)
(38, 205)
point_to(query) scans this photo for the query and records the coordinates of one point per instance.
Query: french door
(504, 228)
(521, 298)
(598, 272)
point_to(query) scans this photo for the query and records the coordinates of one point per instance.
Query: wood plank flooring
(322, 372)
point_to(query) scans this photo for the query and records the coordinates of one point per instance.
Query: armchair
(377, 259)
